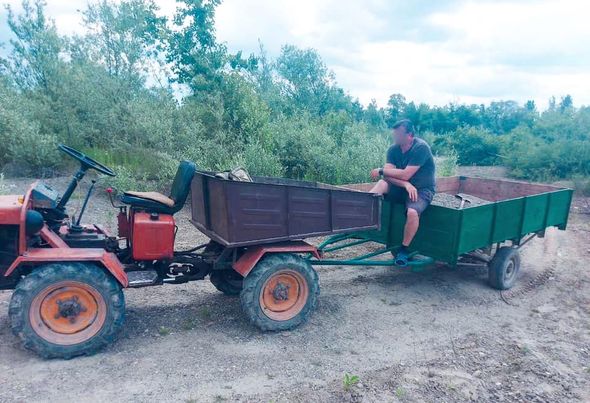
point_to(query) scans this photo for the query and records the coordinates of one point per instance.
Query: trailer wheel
(503, 268)
(62, 310)
(280, 293)
(228, 282)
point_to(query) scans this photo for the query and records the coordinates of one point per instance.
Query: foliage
(477, 146)
(447, 165)
(3, 186)
(581, 185)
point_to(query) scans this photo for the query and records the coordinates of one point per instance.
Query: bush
(582, 185)
(548, 161)
(260, 161)
(137, 170)
(474, 146)
(3, 186)
(23, 144)
(447, 165)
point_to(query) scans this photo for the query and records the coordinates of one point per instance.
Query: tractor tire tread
(249, 297)
(43, 276)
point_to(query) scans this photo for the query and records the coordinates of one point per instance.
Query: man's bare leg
(380, 188)
(412, 223)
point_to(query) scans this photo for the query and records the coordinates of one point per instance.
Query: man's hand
(412, 192)
(375, 174)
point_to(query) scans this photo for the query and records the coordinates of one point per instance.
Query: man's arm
(394, 181)
(412, 192)
(403, 174)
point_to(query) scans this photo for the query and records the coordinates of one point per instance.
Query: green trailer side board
(445, 233)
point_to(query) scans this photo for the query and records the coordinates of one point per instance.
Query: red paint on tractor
(152, 236)
(22, 239)
(253, 255)
(52, 238)
(43, 255)
(123, 225)
(10, 207)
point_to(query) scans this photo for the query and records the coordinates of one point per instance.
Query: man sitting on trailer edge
(407, 177)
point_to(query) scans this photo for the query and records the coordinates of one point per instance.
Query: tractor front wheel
(281, 292)
(62, 310)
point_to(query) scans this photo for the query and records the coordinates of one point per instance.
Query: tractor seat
(158, 203)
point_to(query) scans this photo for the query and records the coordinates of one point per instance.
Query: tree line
(140, 91)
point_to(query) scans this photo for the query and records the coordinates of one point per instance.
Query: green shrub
(260, 161)
(548, 161)
(447, 165)
(474, 146)
(582, 185)
(3, 186)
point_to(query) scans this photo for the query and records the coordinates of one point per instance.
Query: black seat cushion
(179, 192)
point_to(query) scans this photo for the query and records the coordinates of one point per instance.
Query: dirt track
(437, 335)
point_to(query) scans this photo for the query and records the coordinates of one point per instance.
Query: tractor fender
(38, 256)
(252, 256)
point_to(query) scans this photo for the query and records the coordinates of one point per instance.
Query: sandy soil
(440, 335)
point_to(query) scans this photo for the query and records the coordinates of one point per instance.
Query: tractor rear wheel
(228, 282)
(62, 310)
(281, 292)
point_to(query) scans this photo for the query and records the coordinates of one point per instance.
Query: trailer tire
(503, 268)
(63, 310)
(280, 293)
(228, 282)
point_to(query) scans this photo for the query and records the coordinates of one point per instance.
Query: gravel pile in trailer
(454, 202)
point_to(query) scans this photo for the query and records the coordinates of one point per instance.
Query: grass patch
(164, 331)
(188, 324)
(205, 313)
(400, 392)
(349, 381)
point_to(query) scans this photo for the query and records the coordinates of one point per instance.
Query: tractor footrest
(142, 278)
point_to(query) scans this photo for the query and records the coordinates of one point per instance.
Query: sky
(430, 51)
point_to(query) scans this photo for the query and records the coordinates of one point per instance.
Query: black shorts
(398, 194)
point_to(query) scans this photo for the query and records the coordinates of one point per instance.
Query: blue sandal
(401, 258)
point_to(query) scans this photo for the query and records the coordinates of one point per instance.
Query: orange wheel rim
(68, 312)
(284, 295)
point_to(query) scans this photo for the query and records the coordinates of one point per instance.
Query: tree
(566, 105)
(374, 116)
(308, 84)
(396, 108)
(125, 37)
(35, 58)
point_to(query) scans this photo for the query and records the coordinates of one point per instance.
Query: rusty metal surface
(277, 209)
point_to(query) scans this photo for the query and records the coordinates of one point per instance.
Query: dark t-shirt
(418, 155)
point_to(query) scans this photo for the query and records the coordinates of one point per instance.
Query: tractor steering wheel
(86, 161)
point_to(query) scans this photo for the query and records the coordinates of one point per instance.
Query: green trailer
(490, 233)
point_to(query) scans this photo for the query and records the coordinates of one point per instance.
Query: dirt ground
(440, 335)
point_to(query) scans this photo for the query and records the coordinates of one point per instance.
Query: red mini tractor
(68, 277)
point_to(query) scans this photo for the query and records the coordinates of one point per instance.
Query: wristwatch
(381, 171)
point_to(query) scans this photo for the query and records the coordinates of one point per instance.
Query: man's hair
(406, 124)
